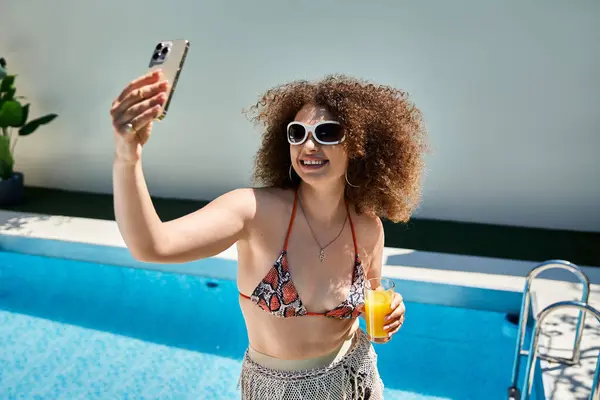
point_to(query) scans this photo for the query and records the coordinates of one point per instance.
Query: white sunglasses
(324, 132)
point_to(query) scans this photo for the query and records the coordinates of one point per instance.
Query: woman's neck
(324, 205)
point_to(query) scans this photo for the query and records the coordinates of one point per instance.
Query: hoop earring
(347, 181)
(291, 180)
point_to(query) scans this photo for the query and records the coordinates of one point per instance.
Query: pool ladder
(514, 393)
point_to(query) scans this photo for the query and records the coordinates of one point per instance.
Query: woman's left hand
(395, 319)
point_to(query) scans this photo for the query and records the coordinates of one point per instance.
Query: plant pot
(11, 189)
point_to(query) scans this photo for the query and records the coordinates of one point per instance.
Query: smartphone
(169, 56)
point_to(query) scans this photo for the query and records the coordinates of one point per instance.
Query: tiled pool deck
(62, 220)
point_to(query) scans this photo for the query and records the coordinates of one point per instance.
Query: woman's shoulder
(270, 203)
(367, 222)
(273, 197)
(369, 231)
(261, 196)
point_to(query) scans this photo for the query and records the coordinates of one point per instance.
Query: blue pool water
(77, 330)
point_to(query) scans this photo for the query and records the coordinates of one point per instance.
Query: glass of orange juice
(379, 293)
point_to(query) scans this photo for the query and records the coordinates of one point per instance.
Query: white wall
(510, 91)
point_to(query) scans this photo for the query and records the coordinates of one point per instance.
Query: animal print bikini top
(276, 293)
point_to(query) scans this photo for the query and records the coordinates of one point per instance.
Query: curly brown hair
(385, 140)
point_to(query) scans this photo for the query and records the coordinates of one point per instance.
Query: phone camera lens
(159, 46)
(155, 56)
(165, 50)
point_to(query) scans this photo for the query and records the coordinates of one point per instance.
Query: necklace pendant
(322, 255)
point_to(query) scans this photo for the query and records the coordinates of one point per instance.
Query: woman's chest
(322, 284)
(319, 284)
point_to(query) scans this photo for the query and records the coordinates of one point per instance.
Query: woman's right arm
(203, 233)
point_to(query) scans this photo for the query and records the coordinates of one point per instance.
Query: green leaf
(8, 83)
(31, 126)
(11, 114)
(9, 94)
(25, 114)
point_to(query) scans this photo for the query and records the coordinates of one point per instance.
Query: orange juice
(377, 305)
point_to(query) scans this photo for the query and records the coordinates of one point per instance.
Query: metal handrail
(524, 316)
(529, 372)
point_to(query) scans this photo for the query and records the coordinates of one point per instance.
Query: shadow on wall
(475, 264)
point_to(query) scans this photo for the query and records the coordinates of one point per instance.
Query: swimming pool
(82, 330)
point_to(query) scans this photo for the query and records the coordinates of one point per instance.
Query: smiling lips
(312, 164)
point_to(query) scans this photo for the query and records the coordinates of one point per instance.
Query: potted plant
(14, 122)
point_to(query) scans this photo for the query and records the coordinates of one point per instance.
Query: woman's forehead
(311, 113)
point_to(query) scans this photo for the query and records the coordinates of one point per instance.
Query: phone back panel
(169, 56)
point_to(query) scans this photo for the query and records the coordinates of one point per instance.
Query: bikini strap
(287, 236)
(353, 232)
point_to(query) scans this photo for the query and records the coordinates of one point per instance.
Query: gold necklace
(321, 248)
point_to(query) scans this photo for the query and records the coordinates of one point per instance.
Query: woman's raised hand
(133, 111)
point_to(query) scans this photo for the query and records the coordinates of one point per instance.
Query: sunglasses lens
(296, 133)
(329, 133)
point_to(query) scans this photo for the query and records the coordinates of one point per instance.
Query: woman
(336, 156)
